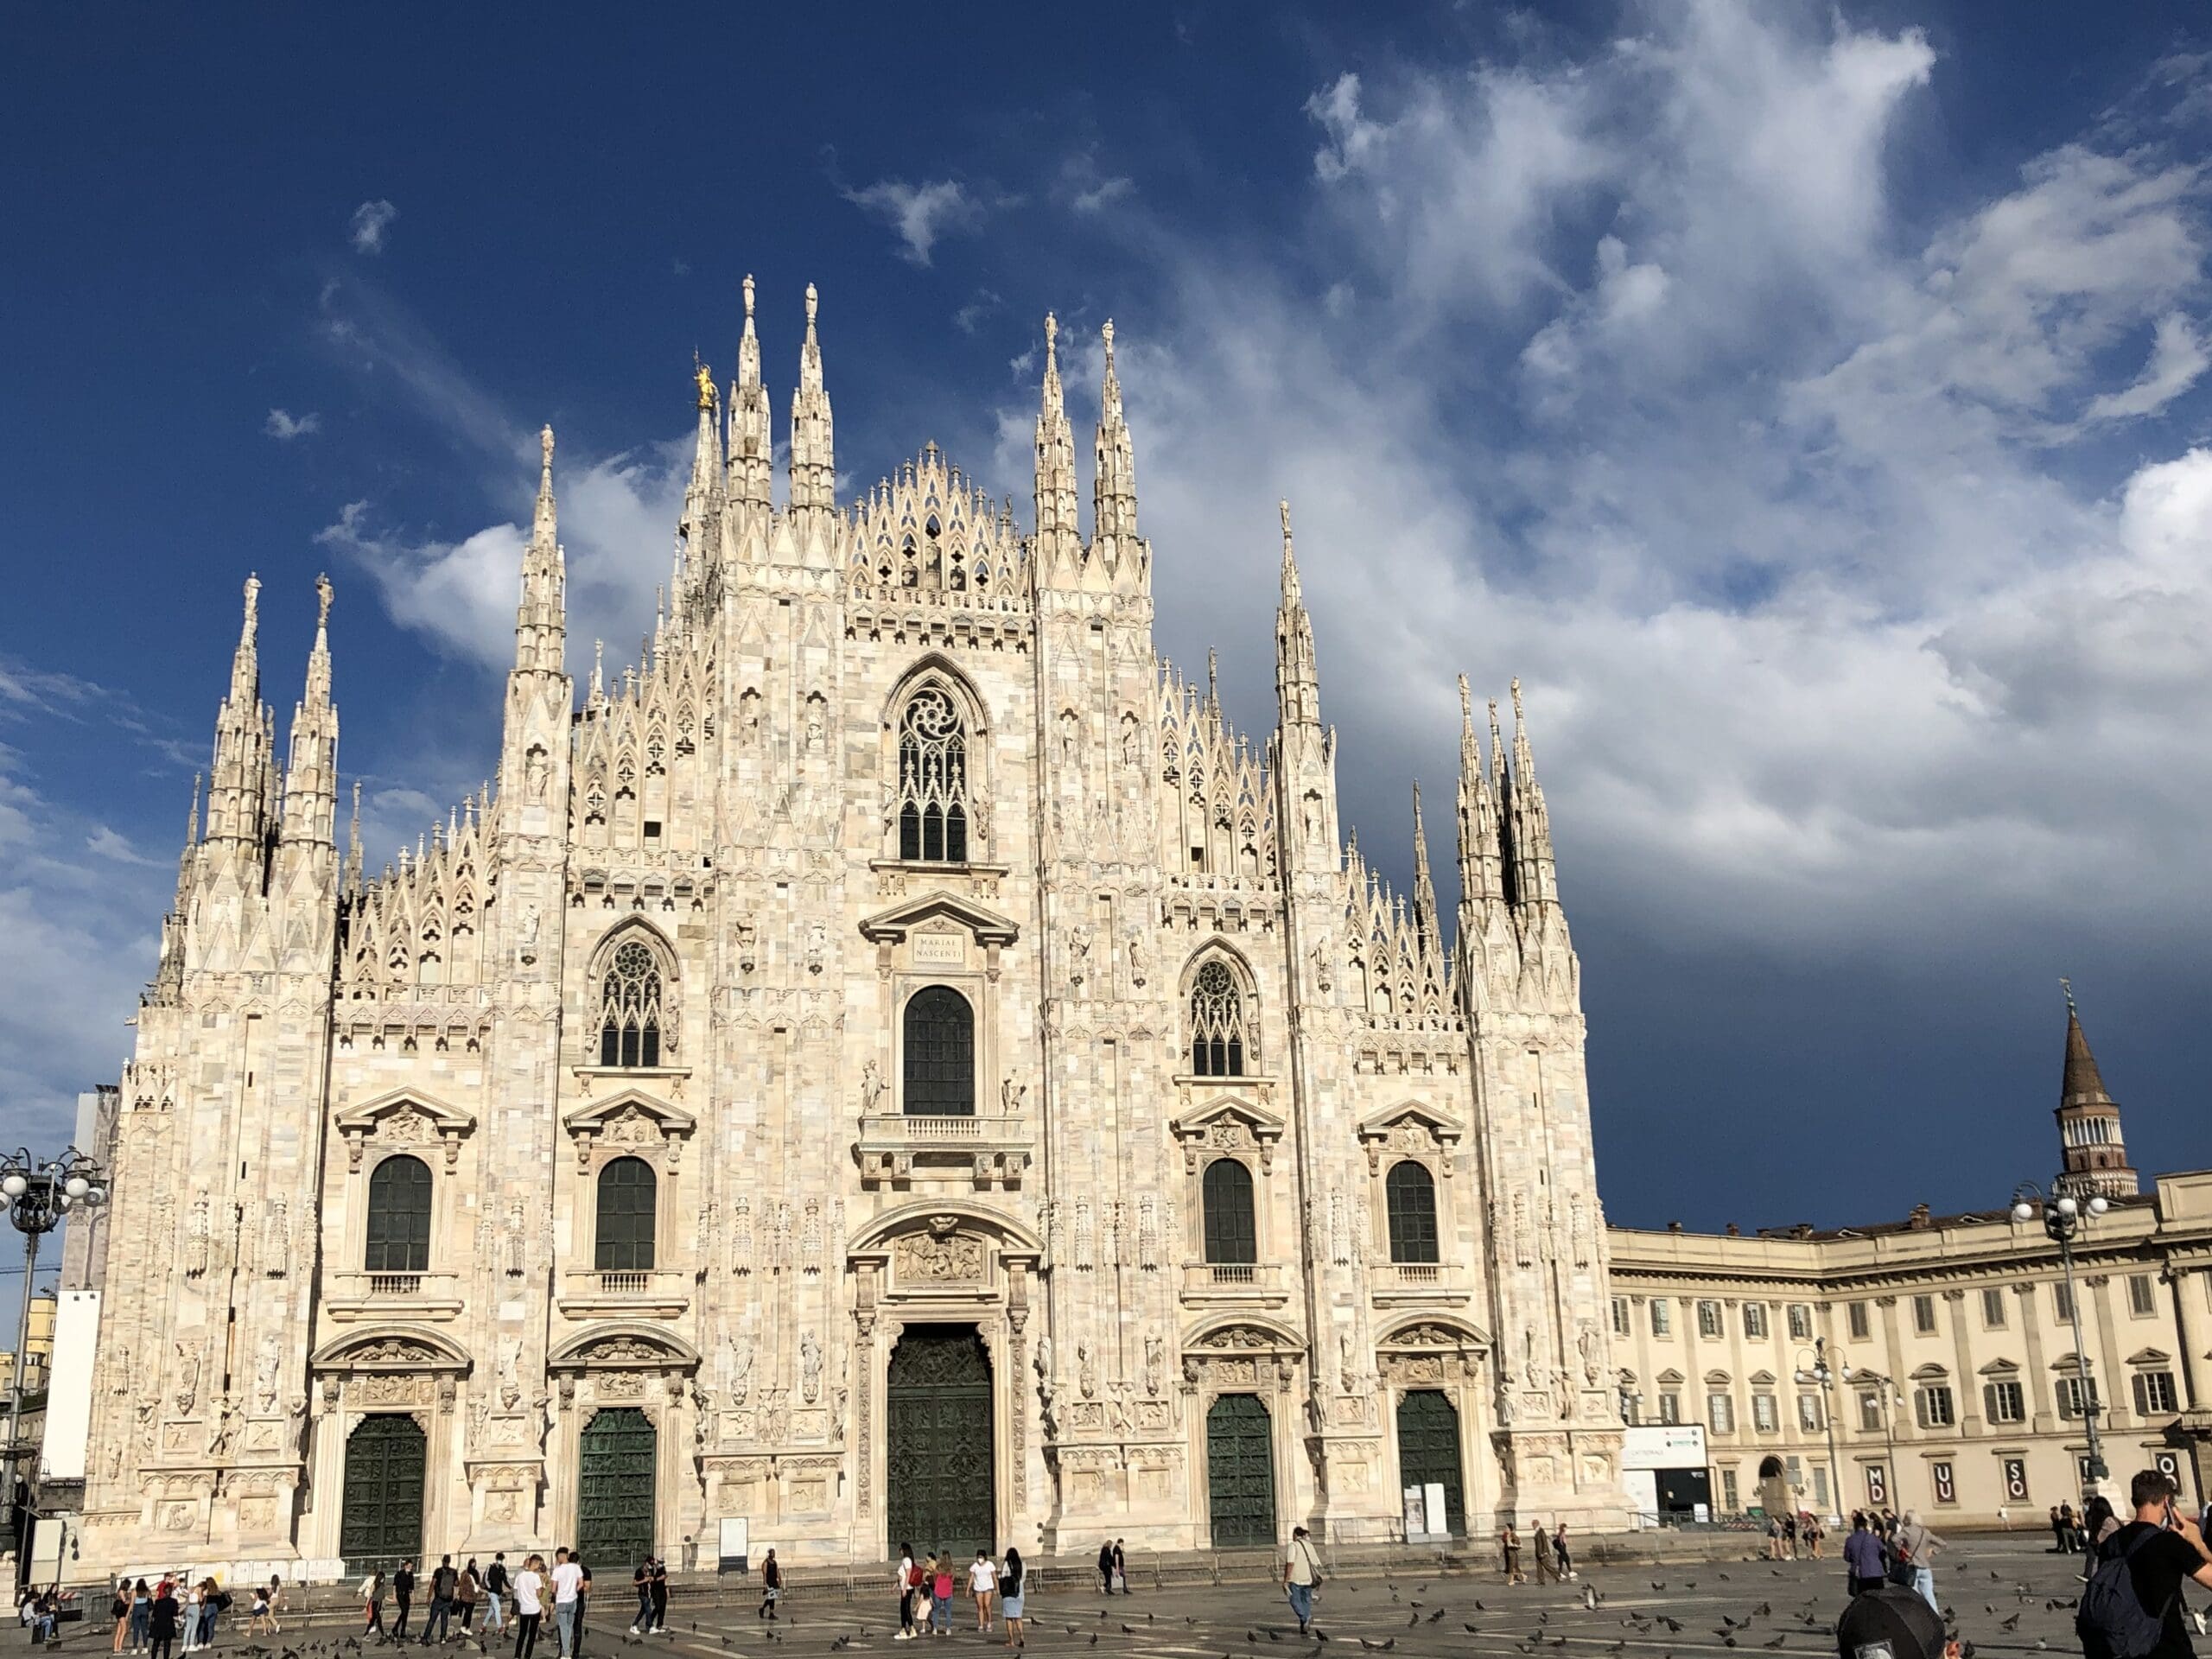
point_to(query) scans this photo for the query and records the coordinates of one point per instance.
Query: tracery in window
(1217, 1044)
(630, 1008)
(933, 808)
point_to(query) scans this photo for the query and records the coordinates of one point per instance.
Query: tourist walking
(163, 1615)
(119, 1609)
(2139, 1579)
(263, 1620)
(983, 1584)
(1106, 1567)
(372, 1592)
(1544, 1555)
(1508, 1553)
(495, 1595)
(910, 1580)
(1121, 1569)
(529, 1605)
(772, 1589)
(567, 1586)
(1013, 1591)
(141, 1613)
(1301, 1571)
(642, 1582)
(941, 1594)
(437, 1624)
(1862, 1557)
(1560, 1553)
(465, 1598)
(403, 1598)
(656, 1594)
(1916, 1545)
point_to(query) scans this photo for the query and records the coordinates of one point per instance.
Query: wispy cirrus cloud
(921, 214)
(370, 222)
(284, 426)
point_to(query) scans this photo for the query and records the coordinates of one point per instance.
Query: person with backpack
(2133, 1607)
(437, 1624)
(495, 1595)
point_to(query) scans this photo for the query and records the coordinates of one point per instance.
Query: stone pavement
(1999, 1590)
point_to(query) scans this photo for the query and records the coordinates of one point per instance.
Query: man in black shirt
(403, 1591)
(495, 1586)
(658, 1588)
(437, 1624)
(2162, 1547)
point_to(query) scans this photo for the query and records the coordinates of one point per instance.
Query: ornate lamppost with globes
(2064, 1215)
(37, 1193)
(1818, 1369)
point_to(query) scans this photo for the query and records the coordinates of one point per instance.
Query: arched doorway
(1428, 1450)
(614, 1492)
(1240, 1472)
(938, 1468)
(382, 1522)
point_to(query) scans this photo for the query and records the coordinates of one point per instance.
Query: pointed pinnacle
(1466, 707)
(748, 302)
(322, 592)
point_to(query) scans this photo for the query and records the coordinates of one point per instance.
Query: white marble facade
(890, 749)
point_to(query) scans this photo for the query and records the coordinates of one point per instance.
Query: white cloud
(1098, 197)
(2179, 360)
(283, 426)
(920, 213)
(370, 221)
(970, 316)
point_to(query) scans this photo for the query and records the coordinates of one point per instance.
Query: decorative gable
(630, 1120)
(921, 924)
(404, 1117)
(1410, 1126)
(1228, 1123)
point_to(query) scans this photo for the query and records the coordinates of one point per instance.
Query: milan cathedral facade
(894, 1066)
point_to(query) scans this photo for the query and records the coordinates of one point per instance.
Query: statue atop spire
(1298, 687)
(1424, 884)
(241, 780)
(541, 613)
(311, 779)
(1114, 497)
(1059, 544)
(813, 464)
(752, 441)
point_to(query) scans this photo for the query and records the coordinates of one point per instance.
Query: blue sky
(1808, 404)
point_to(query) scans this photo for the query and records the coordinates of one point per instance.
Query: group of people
(156, 1618)
(460, 1590)
(926, 1585)
(1554, 1561)
(1787, 1534)
(40, 1612)
(454, 1591)
(1885, 1548)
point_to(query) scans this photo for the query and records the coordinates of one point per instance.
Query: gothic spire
(1060, 543)
(1298, 688)
(240, 777)
(2092, 1149)
(311, 779)
(1113, 498)
(1535, 879)
(541, 616)
(1482, 881)
(814, 468)
(1424, 884)
(752, 439)
(353, 843)
(703, 497)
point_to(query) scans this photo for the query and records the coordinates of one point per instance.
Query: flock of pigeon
(1566, 1628)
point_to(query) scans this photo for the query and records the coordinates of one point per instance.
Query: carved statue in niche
(534, 773)
(1532, 1369)
(1322, 980)
(187, 1379)
(1347, 1372)
(1155, 1357)
(509, 1368)
(737, 1366)
(267, 1358)
(810, 1368)
(1136, 959)
(1079, 937)
(1086, 1364)
(776, 1417)
(1587, 1344)
(276, 1240)
(1010, 1095)
(198, 1232)
(873, 1088)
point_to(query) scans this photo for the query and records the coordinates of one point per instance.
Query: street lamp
(37, 1195)
(1820, 1371)
(2063, 1215)
(1891, 1396)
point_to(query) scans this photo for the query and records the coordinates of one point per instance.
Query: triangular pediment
(2150, 1357)
(893, 925)
(1763, 1379)
(1671, 1377)
(625, 1106)
(363, 1117)
(1378, 1125)
(2000, 1368)
(1262, 1124)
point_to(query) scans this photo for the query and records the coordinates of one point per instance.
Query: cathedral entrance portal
(382, 1522)
(938, 1451)
(1428, 1450)
(1240, 1472)
(615, 1505)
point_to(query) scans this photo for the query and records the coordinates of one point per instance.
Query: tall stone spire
(1114, 497)
(1482, 873)
(752, 439)
(1297, 684)
(2091, 1150)
(541, 617)
(238, 789)
(1424, 884)
(701, 524)
(1059, 540)
(1535, 879)
(311, 779)
(814, 462)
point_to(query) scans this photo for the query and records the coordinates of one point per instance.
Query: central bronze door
(381, 1523)
(614, 1507)
(1240, 1472)
(937, 1442)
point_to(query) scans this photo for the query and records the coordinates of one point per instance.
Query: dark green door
(938, 1453)
(382, 1524)
(1240, 1472)
(1429, 1449)
(614, 1507)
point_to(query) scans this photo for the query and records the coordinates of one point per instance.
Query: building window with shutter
(2155, 1394)
(1720, 1414)
(1809, 1413)
(1708, 1318)
(1620, 1316)
(1766, 1413)
(2142, 1296)
(1663, 1317)
(1670, 1405)
(1854, 1315)
(2076, 1396)
(2061, 1302)
(1932, 1406)
(1755, 1320)
(1992, 1308)
(1924, 1315)
(1801, 1321)
(2005, 1401)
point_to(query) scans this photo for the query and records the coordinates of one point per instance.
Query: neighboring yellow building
(1948, 1341)
(39, 1348)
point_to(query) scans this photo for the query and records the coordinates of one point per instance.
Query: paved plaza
(2001, 1591)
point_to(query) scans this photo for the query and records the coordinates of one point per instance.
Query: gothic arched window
(1232, 1231)
(932, 780)
(628, 1195)
(1217, 1044)
(399, 1218)
(1410, 1192)
(940, 1054)
(629, 1007)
